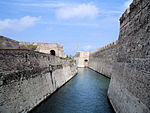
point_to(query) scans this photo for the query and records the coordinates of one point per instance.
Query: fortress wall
(26, 79)
(6, 43)
(81, 60)
(129, 90)
(47, 47)
(102, 59)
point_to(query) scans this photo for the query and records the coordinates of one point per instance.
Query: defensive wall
(129, 89)
(6, 43)
(82, 59)
(102, 59)
(128, 61)
(49, 48)
(28, 77)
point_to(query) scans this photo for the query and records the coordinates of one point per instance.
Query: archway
(52, 52)
(85, 60)
(86, 63)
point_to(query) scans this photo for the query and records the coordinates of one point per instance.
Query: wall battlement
(133, 5)
(135, 8)
(106, 47)
(128, 62)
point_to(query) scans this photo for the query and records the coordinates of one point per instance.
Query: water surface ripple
(85, 93)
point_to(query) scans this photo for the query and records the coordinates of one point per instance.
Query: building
(50, 48)
(82, 59)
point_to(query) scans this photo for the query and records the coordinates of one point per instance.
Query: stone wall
(102, 59)
(6, 43)
(28, 77)
(82, 59)
(47, 47)
(129, 89)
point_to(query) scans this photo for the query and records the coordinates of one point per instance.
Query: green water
(85, 93)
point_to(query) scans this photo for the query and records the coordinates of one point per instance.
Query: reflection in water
(85, 93)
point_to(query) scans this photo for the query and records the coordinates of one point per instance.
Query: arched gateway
(52, 52)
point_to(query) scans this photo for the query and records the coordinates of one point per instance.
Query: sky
(88, 24)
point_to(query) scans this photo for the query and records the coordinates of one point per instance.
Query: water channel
(85, 93)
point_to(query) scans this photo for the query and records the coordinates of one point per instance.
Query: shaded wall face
(129, 89)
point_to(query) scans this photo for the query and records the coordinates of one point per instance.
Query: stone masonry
(129, 89)
(82, 59)
(128, 61)
(6, 43)
(28, 77)
(102, 59)
(47, 48)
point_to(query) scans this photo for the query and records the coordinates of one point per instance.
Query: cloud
(51, 5)
(127, 3)
(18, 24)
(79, 11)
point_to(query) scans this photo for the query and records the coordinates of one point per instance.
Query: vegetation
(29, 47)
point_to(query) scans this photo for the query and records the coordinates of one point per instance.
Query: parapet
(135, 7)
(106, 47)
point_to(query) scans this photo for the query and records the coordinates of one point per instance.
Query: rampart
(128, 61)
(102, 59)
(47, 48)
(6, 43)
(82, 59)
(129, 89)
(28, 77)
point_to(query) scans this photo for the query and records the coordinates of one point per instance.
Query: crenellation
(127, 61)
(111, 45)
(28, 77)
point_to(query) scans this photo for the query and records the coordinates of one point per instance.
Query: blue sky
(89, 24)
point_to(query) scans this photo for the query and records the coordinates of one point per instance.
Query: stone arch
(52, 52)
(86, 62)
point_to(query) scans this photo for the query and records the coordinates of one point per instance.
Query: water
(85, 93)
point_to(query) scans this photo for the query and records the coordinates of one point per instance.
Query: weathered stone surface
(47, 48)
(128, 62)
(82, 59)
(102, 59)
(129, 89)
(6, 43)
(26, 78)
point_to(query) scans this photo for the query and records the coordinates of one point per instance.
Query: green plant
(29, 47)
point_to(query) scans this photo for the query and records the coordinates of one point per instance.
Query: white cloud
(51, 5)
(127, 3)
(18, 24)
(79, 11)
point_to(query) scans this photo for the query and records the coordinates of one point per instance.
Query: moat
(85, 93)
